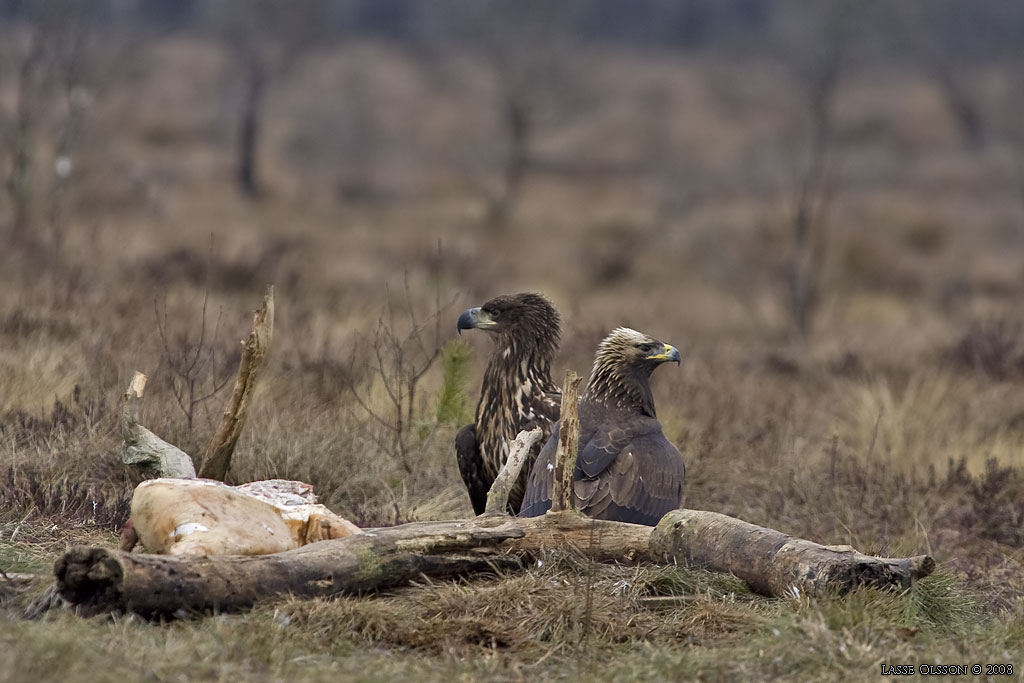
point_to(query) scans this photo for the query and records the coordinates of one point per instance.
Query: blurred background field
(820, 203)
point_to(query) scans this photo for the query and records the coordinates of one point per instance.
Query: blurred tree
(453, 406)
(816, 56)
(267, 38)
(677, 23)
(167, 13)
(388, 18)
(46, 56)
(526, 44)
(920, 25)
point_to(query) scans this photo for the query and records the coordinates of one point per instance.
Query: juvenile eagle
(626, 470)
(517, 391)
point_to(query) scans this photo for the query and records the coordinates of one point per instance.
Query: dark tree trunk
(19, 179)
(250, 130)
(962, 110)
(516, 116)
(812, 196)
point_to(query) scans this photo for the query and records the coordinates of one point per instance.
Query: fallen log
(774, 563)
(597, 539)
(99, 580)
(770, 562)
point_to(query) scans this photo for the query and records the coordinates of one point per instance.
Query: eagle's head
(623, 365)
(528, 319)
(625, 348)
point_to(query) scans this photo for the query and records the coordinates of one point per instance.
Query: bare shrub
(245, 272)
(196, 373)
(990, 505)
(402, 349)
(59, 464)
(992, 347)
(614, 251)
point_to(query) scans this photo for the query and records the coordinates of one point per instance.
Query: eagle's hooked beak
(666, 353)
(474, 318)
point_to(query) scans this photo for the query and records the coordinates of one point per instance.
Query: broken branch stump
(497, 497)
(217, 458)
(563, 493)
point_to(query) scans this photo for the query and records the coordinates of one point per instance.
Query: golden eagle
(626, 470)
(517, 391)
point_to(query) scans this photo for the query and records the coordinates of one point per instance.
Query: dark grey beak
(467, 320)
(474, 318)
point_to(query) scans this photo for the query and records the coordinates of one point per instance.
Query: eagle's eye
(647, 347)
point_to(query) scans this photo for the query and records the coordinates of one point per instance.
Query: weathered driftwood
(597, 539)
(97, 579)
(562, 496)
(217, 458)
(774, 563)
(144, 449)
(497, 497)
(770, 562)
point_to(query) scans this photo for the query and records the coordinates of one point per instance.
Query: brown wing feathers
(626, 470)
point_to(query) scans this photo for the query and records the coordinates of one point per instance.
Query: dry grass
(566, 617)
(896, 427)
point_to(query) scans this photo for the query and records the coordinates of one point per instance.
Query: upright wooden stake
(562, 494)
(217, 458)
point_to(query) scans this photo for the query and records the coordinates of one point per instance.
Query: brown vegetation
(896, 426)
